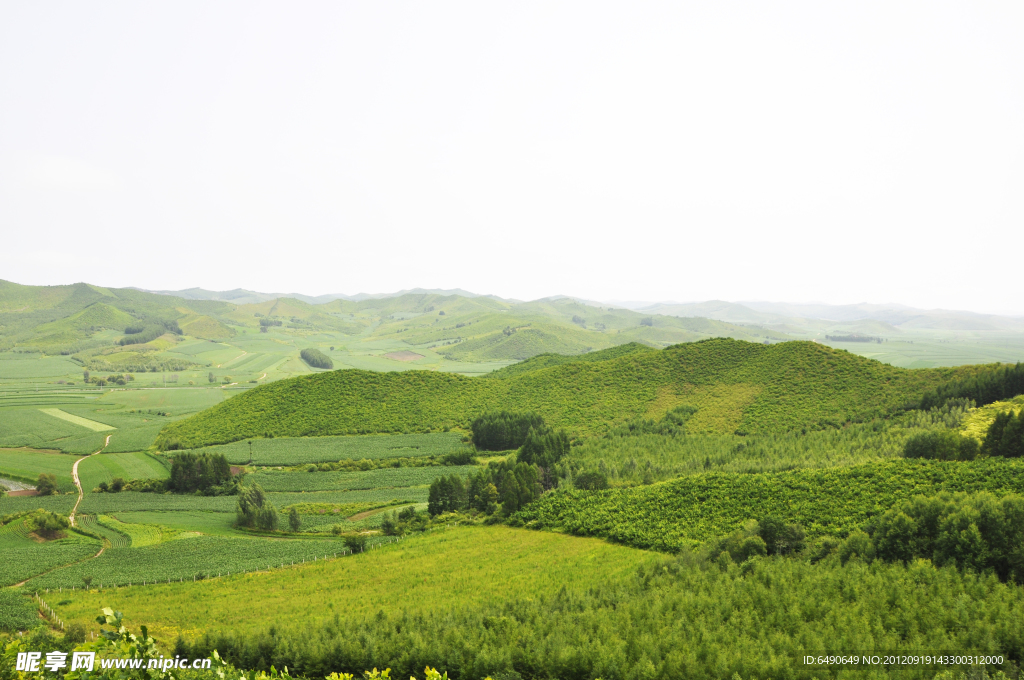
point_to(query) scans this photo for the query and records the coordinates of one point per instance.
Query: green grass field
(288, 451)
(26, 465)
(466, 565)
(395, 478)
(106, 466)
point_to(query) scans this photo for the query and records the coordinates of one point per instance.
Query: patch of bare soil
(403, 355)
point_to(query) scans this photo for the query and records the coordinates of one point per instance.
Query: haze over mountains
(887, 317)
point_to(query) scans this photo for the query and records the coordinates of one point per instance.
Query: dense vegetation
(941, 445)
(826, 502)
(979, 532)
(681, 618)
(316, 358)
(988, 384)
(736, 387)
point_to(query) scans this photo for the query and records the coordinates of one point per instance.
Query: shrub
(47, 524)
(591, 481)
(46, 485)
(355, 542)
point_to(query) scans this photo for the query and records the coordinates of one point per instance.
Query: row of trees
(503, 431)
(508, 483)
(941, 445)
(316, 358)
(991, 384)
(1005, 436)
(138, 334)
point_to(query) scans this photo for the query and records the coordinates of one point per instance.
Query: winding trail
(78, 483)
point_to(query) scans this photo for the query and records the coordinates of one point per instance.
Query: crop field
(139, 535)
(92, 525)
(25, 561)
(429, 572)
(106, 466)
(209, 523)
(31, 427)
(26, 465)
(61, 503)
(17, 612)
(386, 478)
(15, 366)
(189, 557)
(671, 515)
(77, 420)
(127, 501)
(288, 451)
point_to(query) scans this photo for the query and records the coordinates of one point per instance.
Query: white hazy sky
(837, 152)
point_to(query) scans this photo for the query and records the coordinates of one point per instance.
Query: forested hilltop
(735, 386)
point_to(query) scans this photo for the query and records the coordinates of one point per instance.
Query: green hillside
(548, 359)
(735, 386)
(694, 509)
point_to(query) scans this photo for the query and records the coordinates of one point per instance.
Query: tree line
(992, 383)
(1004, 438)
(316, 358)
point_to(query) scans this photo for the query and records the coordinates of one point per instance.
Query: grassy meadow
(468, 566)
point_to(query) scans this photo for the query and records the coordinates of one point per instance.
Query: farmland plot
(384, 478)
(299, 450)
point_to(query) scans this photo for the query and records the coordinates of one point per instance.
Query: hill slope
(736, 387)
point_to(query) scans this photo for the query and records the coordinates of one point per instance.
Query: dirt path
(78, 483)
(232, 360)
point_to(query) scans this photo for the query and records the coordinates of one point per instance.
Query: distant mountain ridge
(892, 317)
(241, 296)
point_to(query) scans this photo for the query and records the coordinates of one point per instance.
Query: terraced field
(288, 451)
(385, 478)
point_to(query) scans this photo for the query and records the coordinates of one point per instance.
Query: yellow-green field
(464, 566)
(977, 422)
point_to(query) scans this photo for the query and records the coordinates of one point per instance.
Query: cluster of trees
(404, 521)
(46, 485)
(941, 445)
(140, 334)
(994, 383)
(47, 524)
(503, 431)
(852, 338)
(506, 487)
(758, 538)
(265, 322)
(316, 358)
(118, 484)
(203, 472)
(1005, 436)
(970, 531)
(255, 511)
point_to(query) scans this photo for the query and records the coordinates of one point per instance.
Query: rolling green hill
(736, 387)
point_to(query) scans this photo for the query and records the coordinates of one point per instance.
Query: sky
(685, 151)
